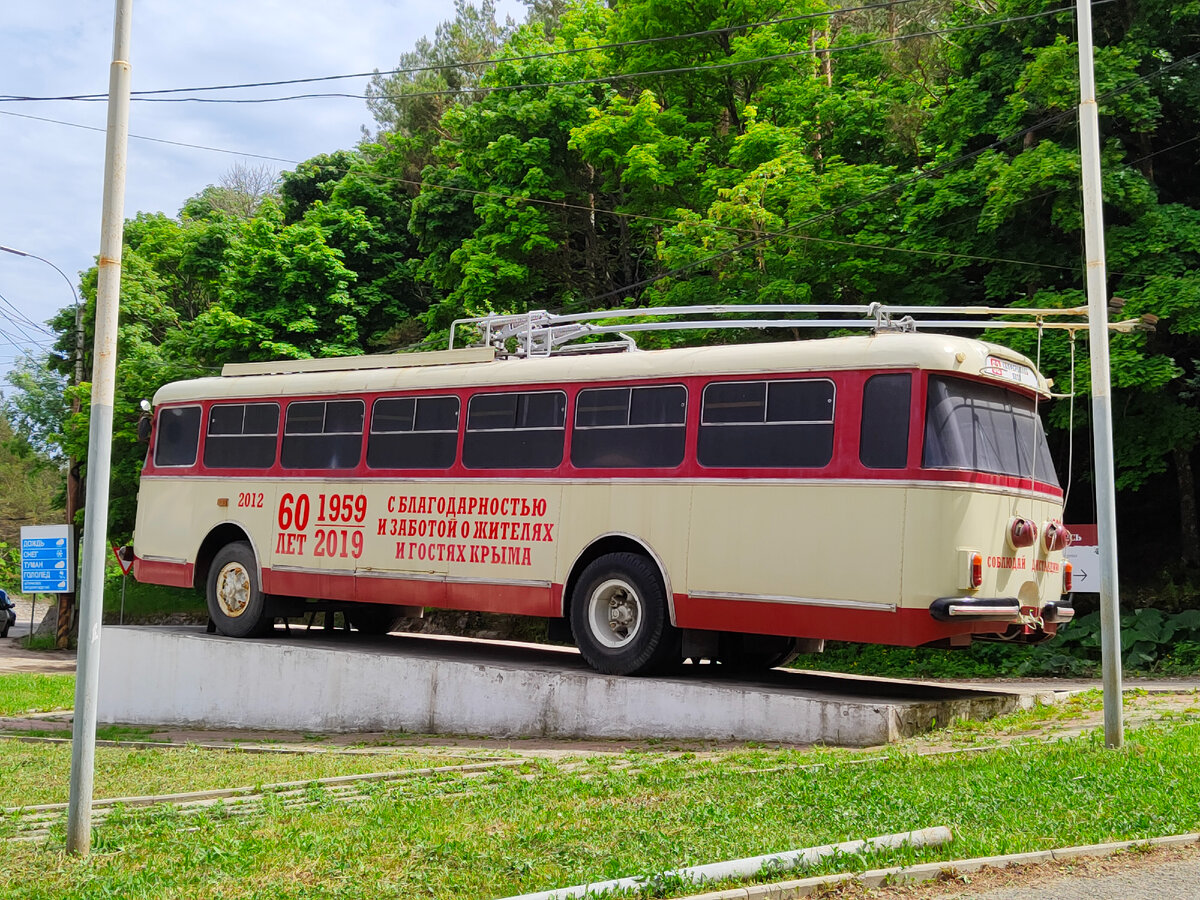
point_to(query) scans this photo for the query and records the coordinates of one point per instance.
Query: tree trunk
(1189, 528)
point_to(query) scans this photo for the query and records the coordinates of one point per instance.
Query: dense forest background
(645, 152)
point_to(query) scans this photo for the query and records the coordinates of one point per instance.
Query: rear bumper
(995, 609)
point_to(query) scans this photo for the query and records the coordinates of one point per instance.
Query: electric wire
(467, 64)
(762, 238)
(878, 194)
(581, 82)
(21, 317)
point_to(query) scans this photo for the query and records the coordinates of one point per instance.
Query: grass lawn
(22, 693)
(37, 773)
(550, 824)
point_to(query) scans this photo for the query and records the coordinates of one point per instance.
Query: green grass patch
(150, 602)
(126, 733)
(38, 773)
(22, 693)
(39, 642)
(551, 826)
(1152, 643)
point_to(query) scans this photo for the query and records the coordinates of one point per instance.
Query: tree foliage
(737, 151)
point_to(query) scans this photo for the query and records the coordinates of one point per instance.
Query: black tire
(619, 616)
(755, 652)
(372, 619)
(236, 603)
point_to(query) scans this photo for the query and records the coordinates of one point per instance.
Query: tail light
(1055, 537)
(1068, 579)
(1021, 533)
(970, 569)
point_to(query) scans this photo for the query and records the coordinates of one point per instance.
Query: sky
(52, 174)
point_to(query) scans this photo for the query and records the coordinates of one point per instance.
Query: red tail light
(1055, 537)
(1021, 533)
(976, 569)
(1068, 572)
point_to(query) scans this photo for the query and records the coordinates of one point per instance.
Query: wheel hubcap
(233, 589)
(615, 613)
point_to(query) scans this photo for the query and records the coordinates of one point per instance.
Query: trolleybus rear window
(767, 424)
(984, 428)
(883, 436)
(629, 428)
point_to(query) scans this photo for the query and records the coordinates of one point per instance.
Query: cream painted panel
(942, 521)
(175, 514)
(825, 542)
(656, 513)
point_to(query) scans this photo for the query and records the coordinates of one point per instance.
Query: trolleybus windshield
(984, 428)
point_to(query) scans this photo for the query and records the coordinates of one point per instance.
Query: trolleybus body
(728, 502)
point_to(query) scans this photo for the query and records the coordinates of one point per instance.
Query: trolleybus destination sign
(47, 566)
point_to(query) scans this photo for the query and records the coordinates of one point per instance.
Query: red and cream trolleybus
(731, 503)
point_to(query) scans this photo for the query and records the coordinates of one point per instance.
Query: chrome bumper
(995, 609)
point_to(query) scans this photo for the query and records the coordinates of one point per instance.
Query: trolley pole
(1097, 292)
(104, 368)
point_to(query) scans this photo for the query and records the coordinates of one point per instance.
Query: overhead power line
(789, 232)
(467, 64)
(580, 82)
(875, 195)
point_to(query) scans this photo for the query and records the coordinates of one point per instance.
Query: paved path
(1166, 881)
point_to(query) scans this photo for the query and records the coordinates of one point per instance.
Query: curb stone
(804, 887)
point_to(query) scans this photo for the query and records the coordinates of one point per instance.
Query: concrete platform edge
(181, 677)
(804, 887)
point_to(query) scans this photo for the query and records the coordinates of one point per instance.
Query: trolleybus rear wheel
(236, 602)
(619, 616)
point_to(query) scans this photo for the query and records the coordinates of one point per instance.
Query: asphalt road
(1170, 880)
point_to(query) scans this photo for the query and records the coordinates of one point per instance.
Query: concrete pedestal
(320, 682)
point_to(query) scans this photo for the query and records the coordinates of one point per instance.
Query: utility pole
(104, 372)
(66, 602)
(1097, 292)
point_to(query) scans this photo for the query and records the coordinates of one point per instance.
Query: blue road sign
(47, 559)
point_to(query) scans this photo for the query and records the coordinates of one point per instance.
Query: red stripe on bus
(902, 627)
(515, 599)
(150, 571)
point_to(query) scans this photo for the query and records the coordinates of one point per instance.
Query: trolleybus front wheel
(236, 602)
(619, 616)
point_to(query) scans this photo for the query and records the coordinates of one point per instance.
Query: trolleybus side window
(984, 428)
(628, 428)
(767, 424)
(413, 433)
(515, 431)
(241, 435)
(323, 434)
(886, 410)
(177, 437)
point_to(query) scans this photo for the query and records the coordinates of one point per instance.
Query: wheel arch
(616, 542)
(222, 535)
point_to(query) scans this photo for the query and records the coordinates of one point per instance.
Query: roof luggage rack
(542, 333)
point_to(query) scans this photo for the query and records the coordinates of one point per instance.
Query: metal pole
(1097, 291)
(104, 366)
